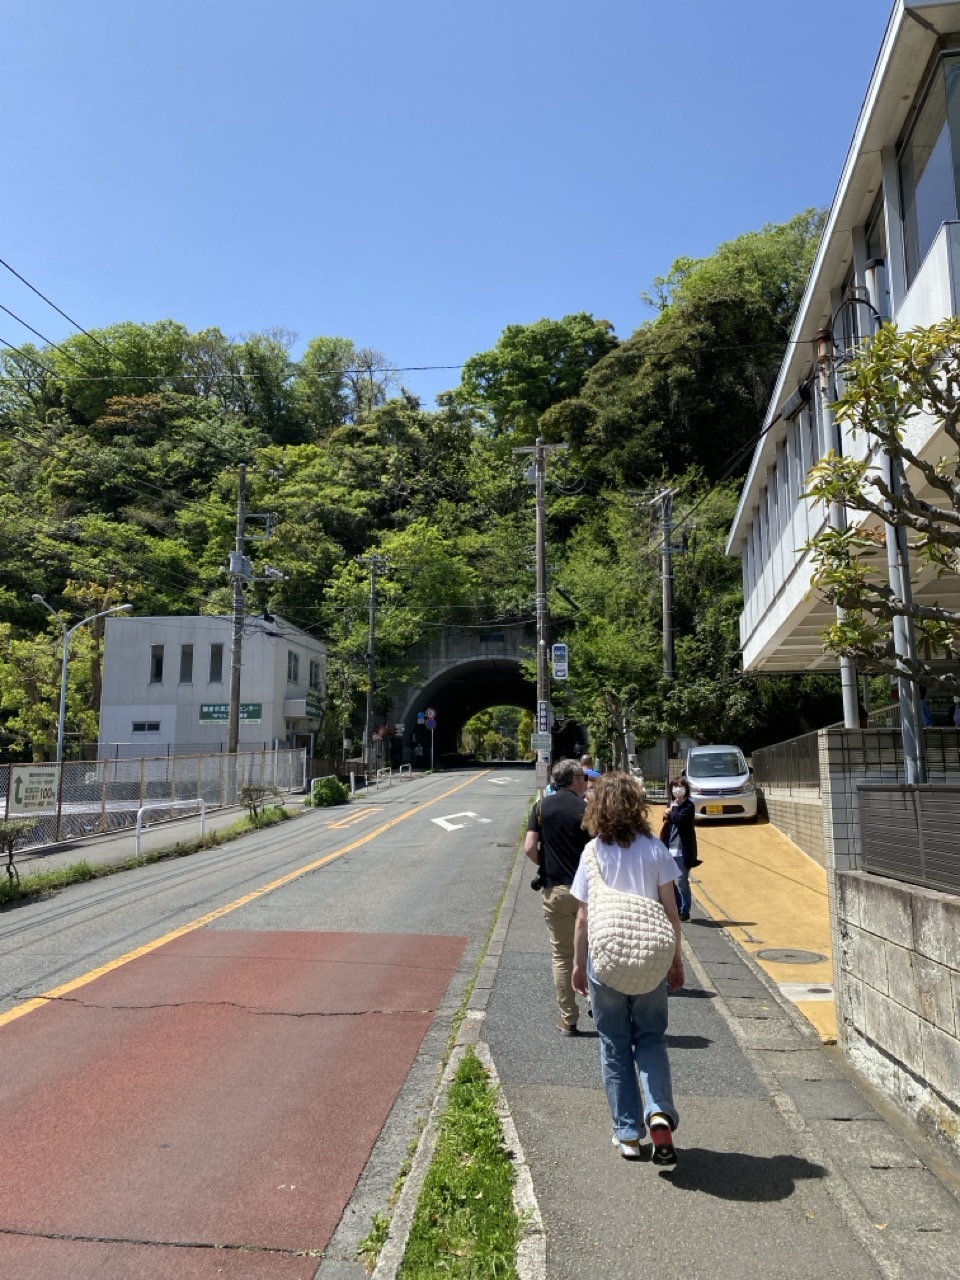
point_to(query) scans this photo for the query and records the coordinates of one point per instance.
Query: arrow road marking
(501, 782)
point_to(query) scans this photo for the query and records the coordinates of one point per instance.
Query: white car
(720, 781)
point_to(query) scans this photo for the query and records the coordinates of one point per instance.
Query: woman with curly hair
(632, 1028)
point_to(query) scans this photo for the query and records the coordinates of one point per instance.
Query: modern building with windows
(166, 685)
(892, 238)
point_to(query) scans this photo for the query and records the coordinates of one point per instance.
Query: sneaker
(662, 1135)
(568, 1028)
(684, 916)
(630, 1148)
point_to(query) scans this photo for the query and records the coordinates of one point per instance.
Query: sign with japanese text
(219, 712)
(33, 787)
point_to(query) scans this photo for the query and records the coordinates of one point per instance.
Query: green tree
(532, 368)
(894, 380)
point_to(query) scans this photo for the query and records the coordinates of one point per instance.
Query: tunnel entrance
(457, 694)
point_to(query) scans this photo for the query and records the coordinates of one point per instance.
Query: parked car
(720, 781)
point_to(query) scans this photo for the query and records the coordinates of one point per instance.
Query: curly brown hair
(617, 810)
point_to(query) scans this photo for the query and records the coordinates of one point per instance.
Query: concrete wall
(897, 971)
(799, 816)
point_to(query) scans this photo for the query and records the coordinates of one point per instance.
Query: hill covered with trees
(118, 454)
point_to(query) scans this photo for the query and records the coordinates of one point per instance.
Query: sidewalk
(119, 846)
(787, 1170)
(771, 897)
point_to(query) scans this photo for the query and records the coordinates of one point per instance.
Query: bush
(328, 791)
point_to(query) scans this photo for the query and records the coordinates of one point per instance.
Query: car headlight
(748, 788)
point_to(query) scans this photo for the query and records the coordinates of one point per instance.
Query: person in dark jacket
(682, 842)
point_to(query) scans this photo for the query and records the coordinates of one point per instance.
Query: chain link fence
(90, 797)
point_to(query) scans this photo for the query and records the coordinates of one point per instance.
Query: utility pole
(540, 451)
(837, 514)
(377, 565)
(665, 500)
(240, 574)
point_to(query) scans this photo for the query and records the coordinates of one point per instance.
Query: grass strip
(465, 1225)
(37, 883)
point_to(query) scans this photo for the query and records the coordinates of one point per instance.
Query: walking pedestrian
(956, 711)
(630, 861)
(679, 834)
(555, 840)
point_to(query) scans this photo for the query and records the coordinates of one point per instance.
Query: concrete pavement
(788, 1170)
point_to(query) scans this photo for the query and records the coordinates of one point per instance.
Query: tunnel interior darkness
(462, 691)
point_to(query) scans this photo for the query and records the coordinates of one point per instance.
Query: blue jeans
(681, 888)
(632, 1032)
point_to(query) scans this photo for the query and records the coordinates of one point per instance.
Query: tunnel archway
(459, 692)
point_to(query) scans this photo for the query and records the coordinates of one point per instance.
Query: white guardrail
(171, 804)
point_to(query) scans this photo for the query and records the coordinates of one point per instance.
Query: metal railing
(792, 766)
(90, 797)
(165, 806)
(909, 832)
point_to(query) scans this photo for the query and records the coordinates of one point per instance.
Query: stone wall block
(850, 1001)
(864, 956)
(901, 979)
(941, 1060)
(936, 926)
(886, 910)
(895, 1029)
(848, 897)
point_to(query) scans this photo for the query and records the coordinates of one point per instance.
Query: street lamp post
(67, 634)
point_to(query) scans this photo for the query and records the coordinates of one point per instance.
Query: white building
(893, 235)
(166, 685)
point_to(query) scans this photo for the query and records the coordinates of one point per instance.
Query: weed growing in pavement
(369, 1248)
(465, 1224)
(37, 883)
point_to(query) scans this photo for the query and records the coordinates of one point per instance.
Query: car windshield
(716, 764)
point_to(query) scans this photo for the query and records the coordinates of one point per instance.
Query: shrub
(328, 791)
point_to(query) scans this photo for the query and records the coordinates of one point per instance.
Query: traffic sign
(560, 662)
(430, 723)
(431, 713)
(400, 727)
(540, 741)
(420, 717)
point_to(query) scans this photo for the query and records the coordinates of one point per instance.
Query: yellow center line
(38, 1002)
(355, 817)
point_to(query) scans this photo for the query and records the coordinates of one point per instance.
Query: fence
(83, 798)
(792, 767)
(910, 833)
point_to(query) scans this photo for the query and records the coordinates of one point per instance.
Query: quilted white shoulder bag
(631, 939)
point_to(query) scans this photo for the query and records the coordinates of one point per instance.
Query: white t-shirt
(640, 869)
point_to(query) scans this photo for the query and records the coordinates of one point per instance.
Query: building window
(156, 664)
(293, 667)
(315, 674)
(928, 186)
(146, 726)
(216, 663)
(186, 664)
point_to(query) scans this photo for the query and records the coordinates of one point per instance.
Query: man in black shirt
(555, 824)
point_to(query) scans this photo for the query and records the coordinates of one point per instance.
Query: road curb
(531, 1251)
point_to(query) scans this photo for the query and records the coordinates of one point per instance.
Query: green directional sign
(219, 712)
(314, 706)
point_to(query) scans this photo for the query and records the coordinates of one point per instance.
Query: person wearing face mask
(680, 836)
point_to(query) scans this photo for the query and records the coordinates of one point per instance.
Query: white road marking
(455, 826)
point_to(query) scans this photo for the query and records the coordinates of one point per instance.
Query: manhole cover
(786, 955)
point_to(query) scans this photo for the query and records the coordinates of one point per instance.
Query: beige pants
(560, 912)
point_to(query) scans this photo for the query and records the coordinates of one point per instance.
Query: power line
(49, 303)
(36, 332)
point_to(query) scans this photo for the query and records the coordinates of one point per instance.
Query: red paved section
(225, 1089)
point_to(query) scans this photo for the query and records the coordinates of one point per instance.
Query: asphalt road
(234, 1048)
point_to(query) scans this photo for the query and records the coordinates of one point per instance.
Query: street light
(67, 636)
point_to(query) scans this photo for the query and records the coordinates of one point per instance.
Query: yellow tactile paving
(773, 895)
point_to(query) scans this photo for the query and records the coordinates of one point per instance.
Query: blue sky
(412, 174)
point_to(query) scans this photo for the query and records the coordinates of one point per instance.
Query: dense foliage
(118, 451)
(895, 379)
